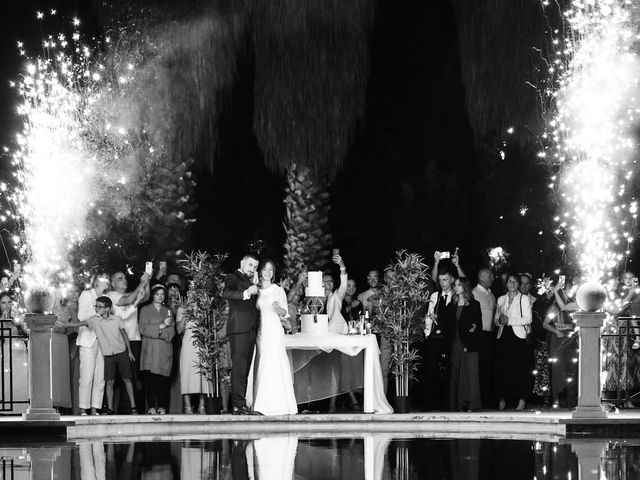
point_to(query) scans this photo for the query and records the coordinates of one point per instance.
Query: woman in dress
(513, 355)
(157, 330)
(173, 303)
(192, 382)
(272, 386)
(347, 375)
(465, 378)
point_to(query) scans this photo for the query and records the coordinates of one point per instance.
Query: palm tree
(311, 69)
(503, 46)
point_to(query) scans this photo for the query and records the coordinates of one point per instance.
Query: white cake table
(374, 400)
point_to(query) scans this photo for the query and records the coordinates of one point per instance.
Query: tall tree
(311, 70)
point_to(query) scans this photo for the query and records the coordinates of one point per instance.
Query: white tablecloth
(374, 400)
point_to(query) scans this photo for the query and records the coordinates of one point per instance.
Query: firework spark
(596, 111)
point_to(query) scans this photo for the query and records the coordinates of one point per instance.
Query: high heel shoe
(521, 405)
(202, 410)
(502, 405)
(188, 410)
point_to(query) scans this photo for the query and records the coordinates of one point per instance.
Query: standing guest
(542, 328)
(114, 345)
(125, 306)
(91, 383)
(373, 280)
(157, 329)
(388, 274)
(346, 375)
(192, 382)
(439, 334)
(295, 293)
(241, 292)
(525, 287)
(351, 306)
(487, 341)
(513, 356)
(464, 391)
(173, 302)
(175, 279)
(563, 348)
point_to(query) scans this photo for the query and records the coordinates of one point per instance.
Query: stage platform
(540, 425)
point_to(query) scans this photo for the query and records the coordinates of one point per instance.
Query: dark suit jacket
(471, 314)
(243, 314)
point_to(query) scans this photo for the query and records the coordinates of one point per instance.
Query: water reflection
(366, 457)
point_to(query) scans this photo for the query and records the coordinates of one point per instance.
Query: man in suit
(241, 294)
(436, 348)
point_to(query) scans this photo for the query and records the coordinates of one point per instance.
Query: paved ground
(542, 425)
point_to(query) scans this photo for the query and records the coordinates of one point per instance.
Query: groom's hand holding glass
(252, 290)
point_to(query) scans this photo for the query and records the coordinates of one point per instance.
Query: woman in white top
(513, 355)
(345, 372)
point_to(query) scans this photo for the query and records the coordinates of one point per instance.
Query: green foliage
(399, 319)
(311, 71)
(207, 312)
(148, 217)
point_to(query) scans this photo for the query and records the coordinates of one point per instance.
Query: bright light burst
(54, 171)
(597, 73)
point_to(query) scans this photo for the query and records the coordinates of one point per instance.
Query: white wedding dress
(270, 383)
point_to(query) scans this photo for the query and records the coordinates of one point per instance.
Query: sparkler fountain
(597, 72)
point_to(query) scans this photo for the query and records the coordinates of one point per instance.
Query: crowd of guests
(499, 343)
(122, 350)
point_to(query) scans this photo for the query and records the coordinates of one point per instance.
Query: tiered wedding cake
(314, 323)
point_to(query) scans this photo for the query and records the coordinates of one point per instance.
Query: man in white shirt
(373, 279)
(486, 349)
(91, 383)
(125, 306)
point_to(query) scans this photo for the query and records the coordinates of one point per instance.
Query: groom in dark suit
(241, 294)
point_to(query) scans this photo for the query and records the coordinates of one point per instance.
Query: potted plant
(207, 311)
(402, 306)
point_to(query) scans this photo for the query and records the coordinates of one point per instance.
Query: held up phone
(445, 254)
(163, 265)
(561, 279)
(148, 268)
(336, 251)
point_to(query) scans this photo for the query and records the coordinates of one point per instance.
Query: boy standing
(115, 347)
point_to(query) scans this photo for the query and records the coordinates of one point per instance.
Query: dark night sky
(411, 179)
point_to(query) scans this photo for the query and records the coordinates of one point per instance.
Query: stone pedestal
(40, 364)
(589, 405)
(589, 459)
(43, 462)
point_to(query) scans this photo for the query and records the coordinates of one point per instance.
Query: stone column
(40, 364)
(589, 405)
(589, 459)
(43, 460)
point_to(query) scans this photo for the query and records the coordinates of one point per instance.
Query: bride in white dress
(270, 383)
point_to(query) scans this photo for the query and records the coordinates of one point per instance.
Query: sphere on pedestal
(39, 299)
(591, 296)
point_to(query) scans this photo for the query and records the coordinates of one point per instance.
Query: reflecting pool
(368, 457)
